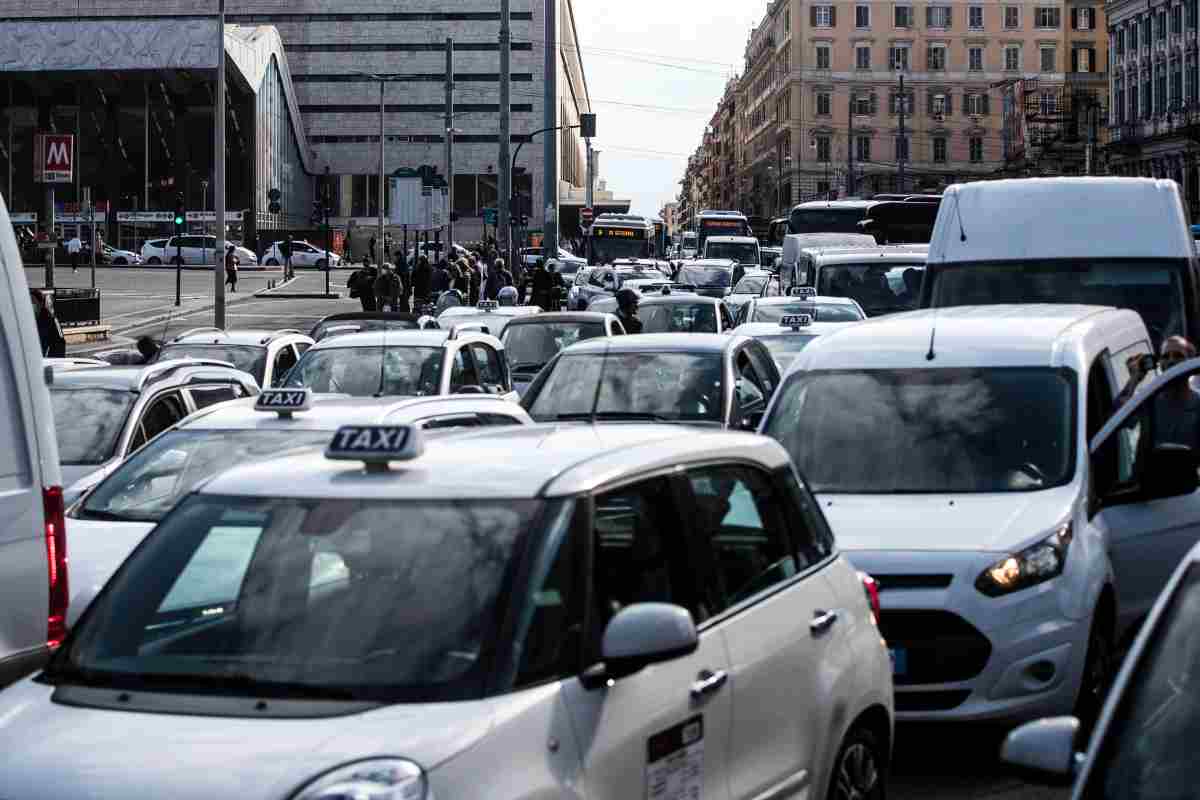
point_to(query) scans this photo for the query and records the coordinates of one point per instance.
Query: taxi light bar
(488, 305)
(375, 445)
(802, 291)
(284, 402)
(795, 321)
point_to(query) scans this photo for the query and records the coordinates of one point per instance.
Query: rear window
(88, 422)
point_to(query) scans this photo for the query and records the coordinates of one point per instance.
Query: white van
(743, 250)
(33, 553)
(1120, 242)
(963, 460)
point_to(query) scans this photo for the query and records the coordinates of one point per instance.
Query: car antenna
(962, 234)
(600, 380)
(930, 356)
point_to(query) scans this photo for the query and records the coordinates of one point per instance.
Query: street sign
(53, 158)
(586, 215)
(489, 216)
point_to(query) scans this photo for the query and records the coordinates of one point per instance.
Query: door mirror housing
(1170, 472)
(1043, 750)
(640, 635)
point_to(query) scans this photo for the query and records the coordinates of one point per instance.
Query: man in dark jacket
(50, 335)
(423, 280)
(364, 287)
(541, 283)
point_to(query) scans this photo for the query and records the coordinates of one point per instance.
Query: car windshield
(678, 317)
(1149, 747)
(247, 358)
(149, 484)
(530, 347)
(673, 387)
(878, 288)
(741, 252)
(404, 371)
(751, 284)
(337, 327)
(820, 312)
(785, 347)
(88, 422)
(705, 276)
(935, 431)
(1153, 288)
(826, 220)
(386, 600)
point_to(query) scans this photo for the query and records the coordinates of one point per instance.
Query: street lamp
(513, 167)
(383, 78)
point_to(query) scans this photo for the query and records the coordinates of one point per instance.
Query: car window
(285, 359)
(549, 647)
(462, 371)
(743, 546)
(205, 396)
(751, 395)
(161, 414)
(636, 554)
(499, 419)
(487, 362)
(726, 318)
(450, 421)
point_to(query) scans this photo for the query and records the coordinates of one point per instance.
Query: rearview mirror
(640, 635)
(1170, 472)
(1043, 750)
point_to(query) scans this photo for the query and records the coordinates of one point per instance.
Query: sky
(655, 71)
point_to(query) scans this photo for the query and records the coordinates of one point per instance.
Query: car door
(663, 732)
(1146, 508)
(760, 569)
(726, 318)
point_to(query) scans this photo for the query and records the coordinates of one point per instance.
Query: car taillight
(56, 561)
(871, 587)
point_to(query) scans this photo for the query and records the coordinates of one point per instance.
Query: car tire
(322, 263)
(1097, 672)
(177, 261)
(154, 261)
(859, 769)
(271, 262)
(119, 262)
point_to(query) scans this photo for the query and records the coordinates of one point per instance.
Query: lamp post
(513, 167)
(383, 78)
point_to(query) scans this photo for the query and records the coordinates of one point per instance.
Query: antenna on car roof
(930, 356)
(962, 234)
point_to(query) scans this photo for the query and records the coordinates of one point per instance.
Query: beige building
(821, 91)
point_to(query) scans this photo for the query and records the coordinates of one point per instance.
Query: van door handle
(822, 621)
(708, 682)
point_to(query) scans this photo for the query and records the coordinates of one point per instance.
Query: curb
(265, 291)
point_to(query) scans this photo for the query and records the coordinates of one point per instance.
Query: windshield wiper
(243, 683)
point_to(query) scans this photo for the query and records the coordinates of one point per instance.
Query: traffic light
(180, 219)
(274, 196)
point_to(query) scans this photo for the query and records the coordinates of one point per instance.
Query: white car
(488, 316)
(821, 308)
(749, 286)
(533, 611)
(114, 517)
(303, 255)
(788, 337)
(118, 258)
(743, 250)
(154, 251)
(265, 354)
(955, 453)
(190, 249)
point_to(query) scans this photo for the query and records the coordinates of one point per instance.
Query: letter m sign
(54, 158)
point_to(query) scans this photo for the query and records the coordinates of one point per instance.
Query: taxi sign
(802, 291)
(795, 321)
(488, 305)
(375, 444)
(284, 401)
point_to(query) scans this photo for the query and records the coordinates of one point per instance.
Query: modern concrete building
(134, 78)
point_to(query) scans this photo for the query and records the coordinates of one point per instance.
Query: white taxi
(623, 612)
(108, 522)
(487, 316)
(786, 338)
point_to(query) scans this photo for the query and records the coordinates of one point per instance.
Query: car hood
(95, 548)
(1000, 522)
(248, 758)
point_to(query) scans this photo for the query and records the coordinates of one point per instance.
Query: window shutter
(1091, 59)
(812, 16)
(874, 104)
(928, 16)
(1075, 59)
(949, 17)
(929, 102)
(1074, 19)
(833, 16)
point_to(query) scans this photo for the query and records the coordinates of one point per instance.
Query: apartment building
(1154, 92)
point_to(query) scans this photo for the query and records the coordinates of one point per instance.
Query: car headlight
(1035, 564)
(373, 779)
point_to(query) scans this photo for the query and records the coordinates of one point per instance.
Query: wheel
(177, 261)
(322, 263)
(119, 262)
(271, 262)
(858, 770)
(154, 261)
(1097, 672)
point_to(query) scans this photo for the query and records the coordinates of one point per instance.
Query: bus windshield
(826, 220)
(723, 226)
(606, 245)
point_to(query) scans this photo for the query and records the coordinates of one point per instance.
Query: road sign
(489, 216)
(54, 158)
(586, 215)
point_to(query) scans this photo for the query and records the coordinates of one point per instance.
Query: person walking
(50, 335)
(231, 268)
(387, 288)
(540, 284)
(74, 246)
(503, 275)
(364, 287)
(422, 283)
(474, 282)
(370, 252)
(288, 273)
(404, 275)
(439, 279)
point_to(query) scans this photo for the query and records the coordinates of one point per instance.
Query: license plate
(899, 657)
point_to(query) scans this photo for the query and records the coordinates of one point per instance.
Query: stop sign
(586, 215)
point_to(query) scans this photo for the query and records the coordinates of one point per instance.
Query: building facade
(1154, 93)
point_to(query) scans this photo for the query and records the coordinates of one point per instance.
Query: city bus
(829, 216)
(619, 236)
(720, 223)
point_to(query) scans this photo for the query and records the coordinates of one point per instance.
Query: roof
(657, 343)
(835, 204)
(504, 463)
(135, 378)
(734, 239)
(242, 336)
(1039, 218)
(503, 311)
(328, 412)
(710, 262)
(884, 254)
(409, 338)
(966, 336)
(677, 298)
(783, 300)
(549, 318)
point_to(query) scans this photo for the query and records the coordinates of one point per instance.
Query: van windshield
(741, 252)
(1153, 288)
(928, 431)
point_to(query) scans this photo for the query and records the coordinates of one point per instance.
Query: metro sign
(54, 158)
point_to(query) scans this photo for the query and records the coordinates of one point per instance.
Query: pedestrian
(423, 281)
(503, 274)
(148, 348)
(556, 286)
(74, 245)
(50, 335)
(387, 288)
(462, 280)
(231, 268)
(365, 287)
(369, 253)
(540, 285)
(439, 279)
(347, 247)
(627, 308)
(404, 274)
(287, 257)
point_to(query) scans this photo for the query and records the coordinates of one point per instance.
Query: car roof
(657, 342)
(678, 298)
(401, 338)
(331, 411)
(1038, 218)
(816, 298)
(504, 311)
(548, 317)
(836, 204)
(529, 461)
(243, 336)
(884, 254)
(135, 378)
(733, 239)
(710, 262)
(972, 336)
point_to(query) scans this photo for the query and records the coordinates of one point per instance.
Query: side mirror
(1170, 472)
(471, 388)
(1043, 750)
(638, 636)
